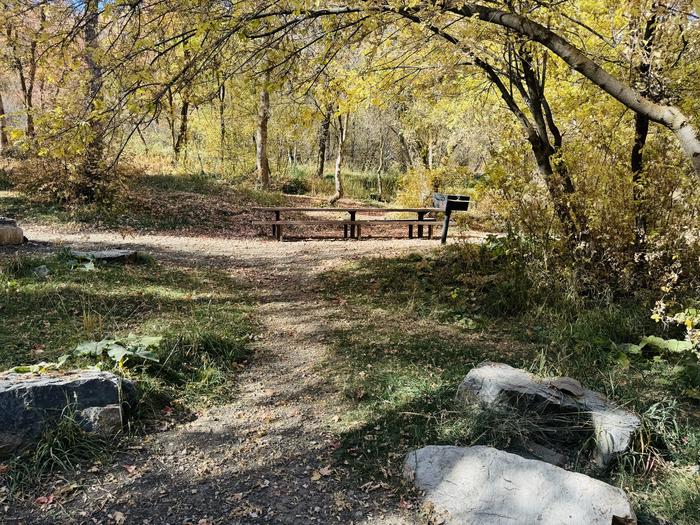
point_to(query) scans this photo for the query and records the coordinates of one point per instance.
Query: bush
(54, 181)
(5, 181)
(296, 186)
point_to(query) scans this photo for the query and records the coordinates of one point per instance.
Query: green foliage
(196, 320)
(5, 180)
(422, 322)
(120, 351)
(296, 186)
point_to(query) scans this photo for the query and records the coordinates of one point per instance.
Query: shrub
(295, 186)
(57, 181)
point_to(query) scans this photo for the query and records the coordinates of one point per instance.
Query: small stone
(107, 256)
(41, 272)
(104, 420)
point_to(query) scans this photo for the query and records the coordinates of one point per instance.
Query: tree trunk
(262, 162)
(183, 131)
(222, 121)
(641, 131)
(380, 167)
(408, 161)
(94, 146)
(4, 141)
(342, 133)
(323, 140)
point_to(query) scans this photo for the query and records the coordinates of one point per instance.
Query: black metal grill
(449, 203)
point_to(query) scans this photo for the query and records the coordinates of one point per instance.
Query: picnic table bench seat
(356, 225)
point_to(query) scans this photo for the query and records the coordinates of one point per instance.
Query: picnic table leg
(359, 232)
(410, 231)
(352, 226)
(279, 232)
(345, 231)
(430, 232)
(421, 216)
(274, 226)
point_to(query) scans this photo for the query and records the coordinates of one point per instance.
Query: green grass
(193, 309)
(63, 447)
(420, 323)
(360, 185)
(204, 317)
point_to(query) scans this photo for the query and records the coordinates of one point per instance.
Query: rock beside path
(485, 486)
(492, 383)
(28, 403)
(107, 256)
(10, 233)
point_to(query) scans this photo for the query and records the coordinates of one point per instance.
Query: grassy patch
(198, 312)
(421, 322)
(204, 319)
(63, 447)
(360, 185)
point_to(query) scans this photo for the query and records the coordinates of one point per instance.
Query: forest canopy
(572, 120)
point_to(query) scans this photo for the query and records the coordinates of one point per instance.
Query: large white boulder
(484, 486)
(492, 383)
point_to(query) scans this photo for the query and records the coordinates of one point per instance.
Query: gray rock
(492, 383)
(28, 403)
(41, 272)
(105, 420)
(10, 235)
(107, 256)
(484, 486)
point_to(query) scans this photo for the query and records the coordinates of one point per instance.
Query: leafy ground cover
(198, 326)
(422, 321)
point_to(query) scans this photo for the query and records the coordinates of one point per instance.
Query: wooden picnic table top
(349, 210)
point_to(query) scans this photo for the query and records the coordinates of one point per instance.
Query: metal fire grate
(449, 203)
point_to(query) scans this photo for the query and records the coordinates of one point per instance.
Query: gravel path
(266, 458)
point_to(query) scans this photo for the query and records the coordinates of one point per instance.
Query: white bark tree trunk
(342, 133)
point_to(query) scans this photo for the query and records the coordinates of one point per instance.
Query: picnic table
(352, 224)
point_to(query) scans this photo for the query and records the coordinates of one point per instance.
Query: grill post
(445, 225)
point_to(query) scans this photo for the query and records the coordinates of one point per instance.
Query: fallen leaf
(119, 518)
(326, 471)
(44, 500)
(405, 504)
(131, 469)
(316, 475)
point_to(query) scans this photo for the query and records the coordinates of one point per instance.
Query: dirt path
(266, 458)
